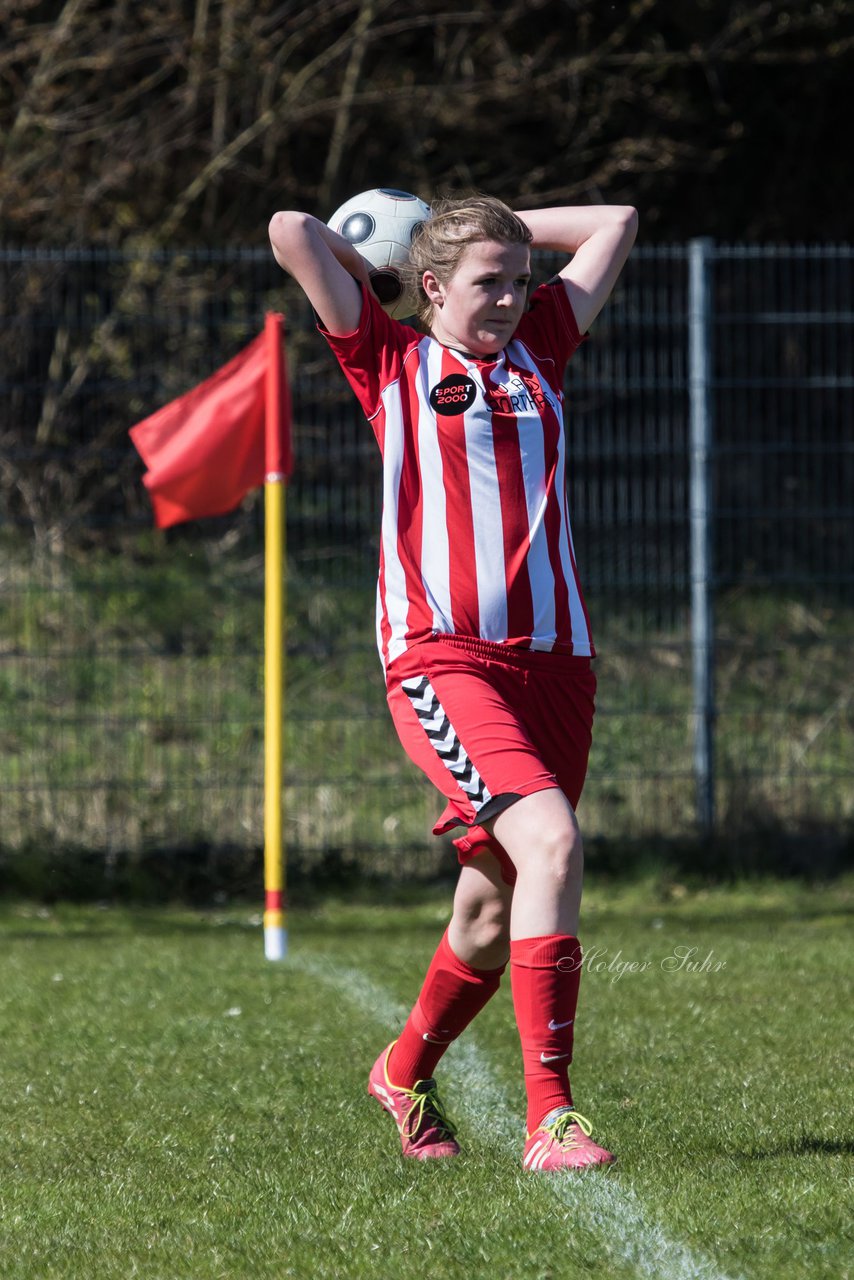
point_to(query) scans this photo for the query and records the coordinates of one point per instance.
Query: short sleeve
(549, 328)
(373, 355)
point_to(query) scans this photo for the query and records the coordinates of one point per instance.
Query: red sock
(545, 974)
(453, 992)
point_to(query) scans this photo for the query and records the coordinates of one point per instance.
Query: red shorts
(490, 723)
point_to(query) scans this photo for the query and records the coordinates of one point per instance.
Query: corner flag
(204, 452)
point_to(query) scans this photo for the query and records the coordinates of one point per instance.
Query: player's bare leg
(541, 836)
(479, 932)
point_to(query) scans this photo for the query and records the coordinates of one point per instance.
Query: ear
(433, 288)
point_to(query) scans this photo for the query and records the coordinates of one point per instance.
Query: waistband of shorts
(510, 654)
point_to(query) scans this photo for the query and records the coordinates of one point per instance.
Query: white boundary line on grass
(609, 1206)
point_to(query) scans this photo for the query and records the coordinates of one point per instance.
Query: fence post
(702, 585)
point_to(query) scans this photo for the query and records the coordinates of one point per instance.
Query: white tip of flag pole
(275, 942)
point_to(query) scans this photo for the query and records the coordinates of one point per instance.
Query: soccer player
(482, 629)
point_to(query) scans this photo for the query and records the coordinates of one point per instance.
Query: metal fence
(712, 474)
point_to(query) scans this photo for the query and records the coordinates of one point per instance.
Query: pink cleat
(425, 1131)
(563, 1141)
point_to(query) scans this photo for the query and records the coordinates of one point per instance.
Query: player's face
(478, 309)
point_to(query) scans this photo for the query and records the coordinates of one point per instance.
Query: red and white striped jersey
(476, 538)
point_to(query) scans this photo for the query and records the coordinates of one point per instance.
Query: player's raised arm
(599, 237)
(324, 264)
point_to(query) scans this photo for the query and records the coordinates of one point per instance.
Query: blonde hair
(438, 244)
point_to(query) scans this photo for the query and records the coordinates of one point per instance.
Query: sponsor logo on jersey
(521, 394)
(453, 395)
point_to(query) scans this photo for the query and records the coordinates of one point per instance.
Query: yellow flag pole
(275, 897)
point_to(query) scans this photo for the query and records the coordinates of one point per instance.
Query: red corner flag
(206, 450)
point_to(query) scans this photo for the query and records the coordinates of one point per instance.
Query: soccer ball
(379, 224)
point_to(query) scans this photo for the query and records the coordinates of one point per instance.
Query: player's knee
(557, 855)
(485, 923)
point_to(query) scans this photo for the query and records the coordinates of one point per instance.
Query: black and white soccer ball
(380, 224)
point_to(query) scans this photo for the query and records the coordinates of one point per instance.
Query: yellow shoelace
(559, 1129)
(426, 1104)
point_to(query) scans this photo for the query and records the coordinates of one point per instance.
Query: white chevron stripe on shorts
(444, 740)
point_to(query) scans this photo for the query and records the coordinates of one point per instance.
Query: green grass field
(176, 1107)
